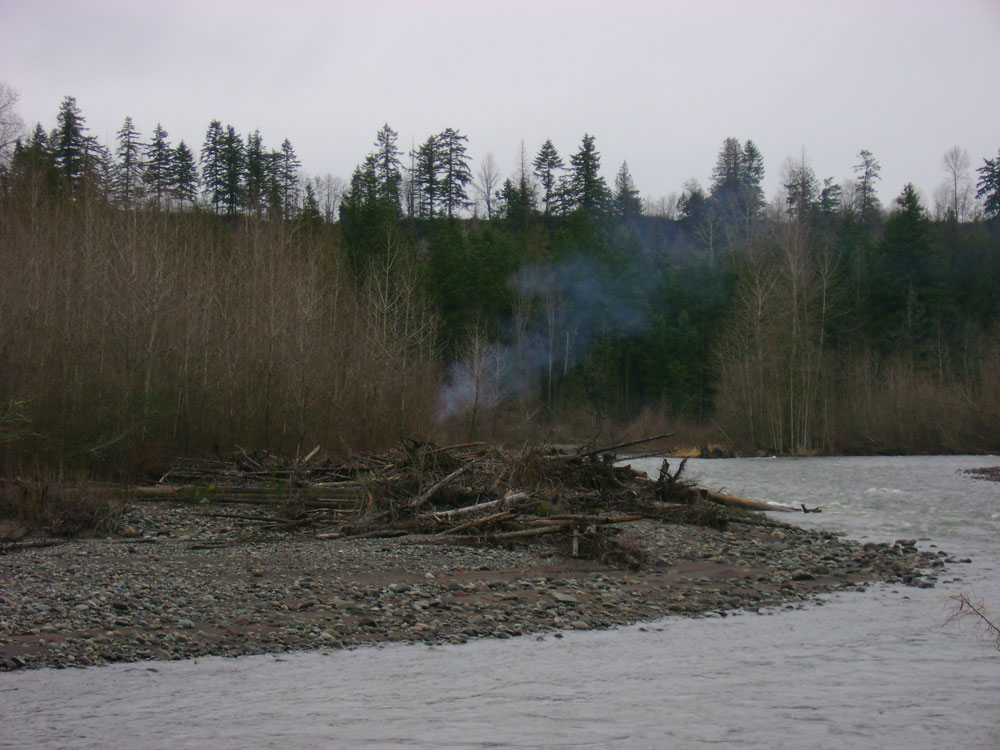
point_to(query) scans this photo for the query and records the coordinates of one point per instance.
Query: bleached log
(734, 501)
(511, 498)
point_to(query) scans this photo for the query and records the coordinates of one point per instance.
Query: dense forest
(157, 304)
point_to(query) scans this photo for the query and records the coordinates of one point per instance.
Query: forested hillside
(157, 303)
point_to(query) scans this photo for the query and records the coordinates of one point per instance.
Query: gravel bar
(180, 584)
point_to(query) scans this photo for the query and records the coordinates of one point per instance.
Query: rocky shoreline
(184, 584)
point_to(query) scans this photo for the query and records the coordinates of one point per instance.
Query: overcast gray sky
(659, 84)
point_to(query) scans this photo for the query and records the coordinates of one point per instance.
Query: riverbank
(184, 584)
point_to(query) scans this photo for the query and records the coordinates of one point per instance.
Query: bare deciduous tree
(955, 163)
(11, 124)
(772, 351)
(487, 180)
(329, 190)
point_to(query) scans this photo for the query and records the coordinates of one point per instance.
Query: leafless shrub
(963, 607)
(133, 337)
(56, 508)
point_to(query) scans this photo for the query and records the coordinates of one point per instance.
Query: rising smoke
(561, 310)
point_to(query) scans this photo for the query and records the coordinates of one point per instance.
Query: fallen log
(378, 533)
(452, 448)
(593, 519)
(612, 448)
(511, 498)
(238, 517)
(530, 532)
(503, 516)
(734, 501)
(423, 497)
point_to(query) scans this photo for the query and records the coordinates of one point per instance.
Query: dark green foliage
(830, 196)
(33, 169)
(988, 187)
(129, 167)
(455, 174)
(388, 168)
(369, 211)
(515, 204)
(736, 189)
(183, 175)
(584, 189)
(287, 176)
(231, 187)
(211, 164)
(468, 276)
(76, 155)
(584, 304)
(426, 177)
(867, 171)
(751, 178)
(256, 174)
(802, 190)
(907, 276)
(310, 215)
(546, 164)
(627, 204)
(159, 163)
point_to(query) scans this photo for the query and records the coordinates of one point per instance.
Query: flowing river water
(862, 670)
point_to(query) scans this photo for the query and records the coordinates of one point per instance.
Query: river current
(859, 670)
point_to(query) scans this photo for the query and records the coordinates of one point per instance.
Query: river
(861, 670)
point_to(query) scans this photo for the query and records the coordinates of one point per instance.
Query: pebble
(96, 601)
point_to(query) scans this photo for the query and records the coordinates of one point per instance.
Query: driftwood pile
(474, 493)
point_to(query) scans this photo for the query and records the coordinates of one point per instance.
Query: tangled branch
(962, 607)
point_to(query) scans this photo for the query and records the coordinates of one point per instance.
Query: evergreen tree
(584, 189)
(274, 185)
(801, 189)
(129, 167)
(231, 163)
(158, 173)
(211, 164)
(829, 198)
(692, 206)
(255, 174)
(867, 171)
(310, 215)
(736, 182)
(288, 178)
(70, 144)
(752, 178)
(988, 186)
(455, 172)
(33, 165)
(426, 178)
(514, 203)
(726, 176)
(627, 203)
(388, 168)
(907, 274)
(102, 168)
(546, 163)
(183, 175)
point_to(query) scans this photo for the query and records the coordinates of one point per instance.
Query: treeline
(822, 321)
(154, 309)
